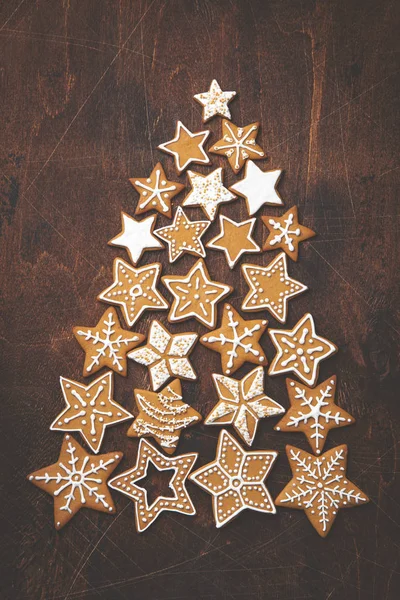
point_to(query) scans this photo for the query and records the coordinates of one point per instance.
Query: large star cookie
(215, 101)
(136, 237)
(242, 403)
(183, 236)
(135, 290)
(208, 192)
(166, 355)
(258, 187)
(89, 409)
(195, 295)
(163, 415)
(235, 479)
(77, 480)
(319, 486)
(156, 192)
(314, 412)
(270, 287)
(300, 350)
(238, 144)
(234, 239)
(178, 501)
(237, 341)
(186, 147)
(285, 232)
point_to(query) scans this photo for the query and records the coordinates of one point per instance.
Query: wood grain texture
(89, 88)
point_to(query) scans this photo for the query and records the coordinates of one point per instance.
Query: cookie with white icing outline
(186, 147)
(234, 239)
(183, 236)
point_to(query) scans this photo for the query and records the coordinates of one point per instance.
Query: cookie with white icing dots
(186, 147)
(286, 232)
(215, 102)
(238, 144)
(208, 192)
(183, 236)
(234, 239)
(156, 192)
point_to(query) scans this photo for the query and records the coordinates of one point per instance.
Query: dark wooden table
(89, 89)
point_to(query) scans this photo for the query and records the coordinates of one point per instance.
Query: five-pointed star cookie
(286, 233)
(179, 501)
(183, 236)
(237, 340)
(235, 479)
(234, 239)
(166, 355)
(300, 350)
(89, 409)
(270, 287)
(156, 192)
(314, 412)
(258, 187)
(195, 295)
(136, 237)
(319, 486)
(238, 144)
(77, 480)
(242, 403)
(135, 290)
(208, 192)
(163, 415)
(186, 147)
(215, 101)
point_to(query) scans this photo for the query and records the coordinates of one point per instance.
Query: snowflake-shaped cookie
(258, 187)
(215, 101)
(208, 192)
(238, 144)
(156, 192)
(286, 232)
(186, 147)
(234, 239)
(183, 236)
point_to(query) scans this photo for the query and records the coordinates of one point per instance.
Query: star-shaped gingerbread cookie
(183, 236)
(238, 144)
(234, 239)
(136, 237)
(186, 147)
(208, 192)
(237, 340)
(215, 102)
(156, 192)
(258, 187)
(235, 479)
(286, 233)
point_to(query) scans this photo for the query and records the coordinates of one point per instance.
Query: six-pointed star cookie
(166, 355)
(237, 340)
(136, 237)
(238, 144)
(215, 101)
(319, 486)
(270, 287)
(77, 480)
(235, 479)
(258, 187)
(156, 192)
(183, 236)
(179, 501)
(300, 350)
(89, 409)
(314, 412)
(195, 295)
(286, 233)
(208, 192)
(135, 290)
(234, 239)
(106, 344)
(242, 403)
(186, 147)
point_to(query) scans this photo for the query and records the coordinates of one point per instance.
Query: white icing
(215, 101)
(233, 258)
(238, 144)
(159, 192)
(285, 233)
(258, 187)
(208, 192)
(201, 135)
(193, 244)
(136, 237)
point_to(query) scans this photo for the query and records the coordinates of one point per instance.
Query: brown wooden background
(89, 89)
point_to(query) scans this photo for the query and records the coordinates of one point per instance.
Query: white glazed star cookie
(208, 192)
(215, 102)
(136, 237)
(258, 187)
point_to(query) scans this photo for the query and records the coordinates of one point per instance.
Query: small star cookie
(156, 192)
(238, 144)
(234, 239)
(300, 350)
(258, 187)
(270, 287)
(237, 341)
(235, 479)
(135, 290)
(136, 237)
(286, 233)
(186, 147)
(208, 192)
(215, 102)
(183, 236)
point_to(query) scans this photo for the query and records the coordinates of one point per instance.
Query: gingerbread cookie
(258, 187)
(183, 236)
(242, 404)
(300, 350)
(163, 415)
(186, 147)
(135, 290)
(179, 501)
(286, 233)
(136, 237)
(235, 480)
(270, 288)
(208, 192)
(195, 295)
(314, 412)
(77, 480)
(215, 102)
(156, 192)
(234, 239)
(237, 341)
(320, 487)
(238, 144)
